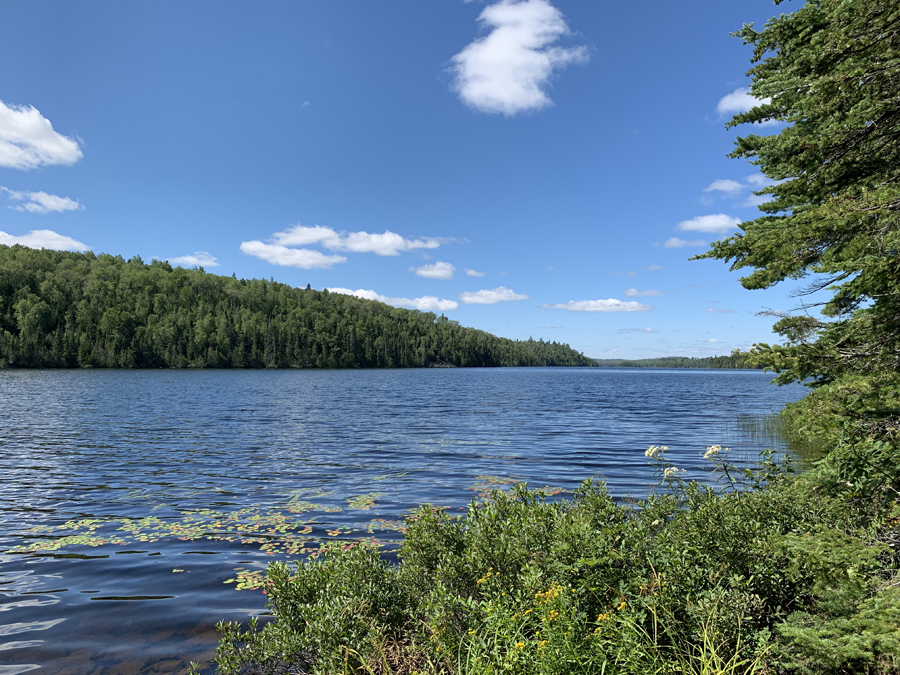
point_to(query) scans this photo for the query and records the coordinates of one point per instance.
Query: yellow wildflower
(552, 615)
(487, 576)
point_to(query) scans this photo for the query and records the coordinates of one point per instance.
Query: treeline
(733, 360)
(62, 309)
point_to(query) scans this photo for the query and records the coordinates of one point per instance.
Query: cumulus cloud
(28, 141)
(439, 270)
(729, 187)
(196, 259)
(756, 200)
(474, 273)
(759, 180)
(739, 101)
(427, 303)
(716, 222)
(387, 243)
(44, 239)
(736, 189)
(509, 70)
(491, 297)
(637, 330)
(303, 258)
(719, 311)
(610, 305)
(635, 293)
(40, 202)
(675, 242)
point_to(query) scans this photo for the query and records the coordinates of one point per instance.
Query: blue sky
(532, 168)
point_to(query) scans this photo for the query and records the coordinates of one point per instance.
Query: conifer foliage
(831, 71)
(60, 309)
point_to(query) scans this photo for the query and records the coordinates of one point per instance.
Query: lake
(138, 508)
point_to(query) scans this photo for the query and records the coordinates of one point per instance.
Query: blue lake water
(129, 498)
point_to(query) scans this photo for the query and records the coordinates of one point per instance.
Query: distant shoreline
(735, 361)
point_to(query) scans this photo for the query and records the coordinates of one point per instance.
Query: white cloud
(739, 101)
(675, 242)
(491, 297)
(756, 200)
(759, 180)
(610, 305)
(735, 189)
(474, 273)
(196, 259)
(298, 235)
(716, 222)
(439, 270)
(303, 258)
(387, 243)
(713, 340)
(729, 187)
(27, 140)
(41, 202)
(509, 70)
(637, 330)
(635, 293)
(719, 311)
(44, 239)
(428, 303)
(653, 267)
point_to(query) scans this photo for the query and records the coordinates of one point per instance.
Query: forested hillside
(61, 309)
(733, 360)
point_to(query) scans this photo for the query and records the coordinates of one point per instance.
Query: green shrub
(786, 578)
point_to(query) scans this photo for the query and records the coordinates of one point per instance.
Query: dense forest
(62, 309)
(734, 360)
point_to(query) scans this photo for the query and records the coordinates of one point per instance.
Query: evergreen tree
(831, 71)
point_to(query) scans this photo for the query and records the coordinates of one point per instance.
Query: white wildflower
(713, 451)
(671, 472)
(655, 451)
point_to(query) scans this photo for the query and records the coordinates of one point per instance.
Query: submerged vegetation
(771, 573)
(61, 309)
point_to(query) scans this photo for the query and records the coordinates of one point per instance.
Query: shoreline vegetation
(735, 361)
(772, 572)
(67, 310)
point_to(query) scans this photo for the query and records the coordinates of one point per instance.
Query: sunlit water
(129, 498)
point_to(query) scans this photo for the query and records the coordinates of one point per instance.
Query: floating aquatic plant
(364, 502)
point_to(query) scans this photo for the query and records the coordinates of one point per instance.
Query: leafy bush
(785, 578)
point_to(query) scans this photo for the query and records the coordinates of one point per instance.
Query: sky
(533, 168)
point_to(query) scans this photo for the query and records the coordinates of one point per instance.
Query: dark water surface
(129, 498)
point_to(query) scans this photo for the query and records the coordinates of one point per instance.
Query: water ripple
(149, 490)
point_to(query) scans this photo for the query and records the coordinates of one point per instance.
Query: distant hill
(734, 360)
(62, 309)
